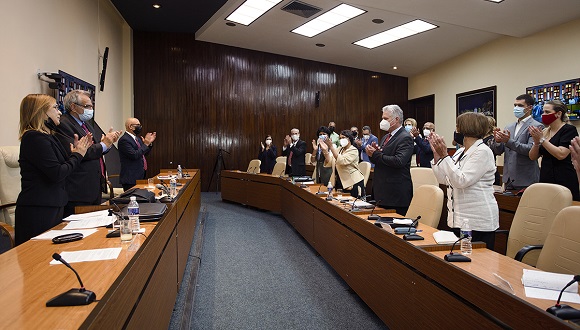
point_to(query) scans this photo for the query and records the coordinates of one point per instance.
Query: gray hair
(395, 110)
(73, 97)
(366, 128)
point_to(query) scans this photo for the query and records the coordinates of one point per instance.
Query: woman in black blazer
(44, 167)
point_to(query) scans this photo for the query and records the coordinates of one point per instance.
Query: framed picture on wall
(481, 100)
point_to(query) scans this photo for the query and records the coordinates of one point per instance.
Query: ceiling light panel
(250, 10)
(328, 20)
(396, 33)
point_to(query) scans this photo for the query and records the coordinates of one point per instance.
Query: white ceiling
(463, 25)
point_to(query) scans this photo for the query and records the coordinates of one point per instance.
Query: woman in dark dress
(552, 144)
(44, 167)
(322, 174)
(267, 155)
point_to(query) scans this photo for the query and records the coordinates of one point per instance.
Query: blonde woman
(552, 144)
(44, 166)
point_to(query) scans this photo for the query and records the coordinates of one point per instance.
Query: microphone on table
(320, 192)
(451, 257)
(413, 236)
(565, 312)
(374, 216)
(509, 182)
(162, 188)
(73, 297)
(186, 175)
(408, 229)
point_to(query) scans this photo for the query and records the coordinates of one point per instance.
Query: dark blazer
(131, 157)
(298, 167)
(392, 178)
(84, 184)
(267, 159)
(423, 151)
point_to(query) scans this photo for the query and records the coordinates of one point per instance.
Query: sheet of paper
(54, 233)
(402, 221)
(551, 295)
(444, 237)
(94, 222)
(74, 217)
(546, 280)
(88, 255)
(362, 204)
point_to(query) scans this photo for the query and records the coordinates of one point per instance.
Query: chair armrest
(522, 252)
(502, 231)
(8, 230)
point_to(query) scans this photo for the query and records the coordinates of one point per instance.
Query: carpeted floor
(257, 272)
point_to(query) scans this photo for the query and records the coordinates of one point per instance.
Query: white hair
(394, 110)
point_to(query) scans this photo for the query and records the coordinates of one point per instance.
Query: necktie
(144, 160)
(290, 156)
(387, 139)
(86, 129)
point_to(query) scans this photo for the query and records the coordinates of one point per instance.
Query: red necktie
(144, 160)
(85, 128)
(387, 139)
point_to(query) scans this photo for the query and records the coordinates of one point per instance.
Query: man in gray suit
(519, 171)
(392, 185)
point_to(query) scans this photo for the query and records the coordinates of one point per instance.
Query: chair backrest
(533, 219)
(279, 169)
(365, 168)
(281, 159)
(427, 202)
(307, 160)
(9, 180)
(254, 166)
(562, 246)
(423, 175)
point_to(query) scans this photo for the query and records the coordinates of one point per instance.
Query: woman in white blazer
(350, 177)
(469, 176)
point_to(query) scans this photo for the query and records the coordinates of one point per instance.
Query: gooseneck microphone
(73, 297)
(320, 192)
(374, 216)
(451, 257)
(565, 312)
(162, 188)
(412, 235)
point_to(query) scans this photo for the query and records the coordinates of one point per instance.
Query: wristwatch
(542, 140)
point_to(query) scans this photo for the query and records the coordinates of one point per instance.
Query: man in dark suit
(84, 185)
(295, 150)
(422, 147)
(393, 188)
(132, 151)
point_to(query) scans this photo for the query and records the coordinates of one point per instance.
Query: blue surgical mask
(519, 112)
(86, 115)
(408, 128)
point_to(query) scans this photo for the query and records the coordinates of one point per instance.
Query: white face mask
(426, 132)
(268, 142)
(86, 115)
(366, 136)
(385, 125)
(295, 137)
(343, 142)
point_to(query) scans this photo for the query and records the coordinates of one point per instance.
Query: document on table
(444, 237)
(92, 222)
(75, 217)
(88, 255)
(54, 233)
(546, 285)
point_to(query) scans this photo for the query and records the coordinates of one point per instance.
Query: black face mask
(458, 137)
(331, 129)
(137, 129)
(50, 124)
(354, 133)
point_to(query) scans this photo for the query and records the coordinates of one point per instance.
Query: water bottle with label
(133, 213)
(179, 172)
(329, 187)
(172, 187)
(466, 243)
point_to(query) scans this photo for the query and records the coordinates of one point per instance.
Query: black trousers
(31, 221)
(354, 192)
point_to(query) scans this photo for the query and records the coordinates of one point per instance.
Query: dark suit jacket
(131, 157)
(84, 184)
(298, 167)
(392, 178)
(44, 167)
(423, 151)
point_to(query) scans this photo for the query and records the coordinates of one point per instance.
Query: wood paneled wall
(200, 97)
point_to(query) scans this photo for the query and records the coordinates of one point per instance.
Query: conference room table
(407, 284)
(135, 291)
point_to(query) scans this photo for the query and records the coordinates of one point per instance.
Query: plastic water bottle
(173, 187)
(329, 187)
(466, 243)
(179, 172)
(133, 212)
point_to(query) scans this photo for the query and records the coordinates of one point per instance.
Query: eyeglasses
(86, 106)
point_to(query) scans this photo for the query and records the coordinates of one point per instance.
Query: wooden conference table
(137, 290)
(407, 284)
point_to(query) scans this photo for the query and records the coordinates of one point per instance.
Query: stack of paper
(444, 237)
(546, 285)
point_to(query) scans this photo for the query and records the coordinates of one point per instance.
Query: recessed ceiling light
(378, 21)
(496, 1)
(156, 6)
(375, 76)
(394, 68)
(250, 10)
(396, 33)
(330, 19)
(320, 45)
